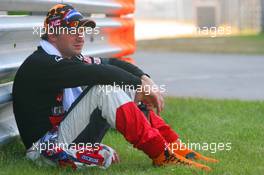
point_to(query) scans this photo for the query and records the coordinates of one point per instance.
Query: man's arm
(67, 73)
(124, 65)
(150, 95)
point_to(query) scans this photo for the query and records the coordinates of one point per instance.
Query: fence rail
(108, 7)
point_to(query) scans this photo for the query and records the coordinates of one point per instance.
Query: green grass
(196, 120)
(18, 13)
(249, 44)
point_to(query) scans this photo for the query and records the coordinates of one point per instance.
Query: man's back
(32, 97)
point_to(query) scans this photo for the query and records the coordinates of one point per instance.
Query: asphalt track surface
(217, 76)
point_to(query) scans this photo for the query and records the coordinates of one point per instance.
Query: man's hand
(150, 94)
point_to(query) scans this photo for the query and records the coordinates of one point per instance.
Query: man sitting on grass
(64, 125)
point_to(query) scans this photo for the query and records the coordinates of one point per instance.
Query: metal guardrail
(5, 94)
(108, 7)
(7, 123)
(18, 39)
(18, 42)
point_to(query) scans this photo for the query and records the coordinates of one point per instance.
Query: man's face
(69, 44)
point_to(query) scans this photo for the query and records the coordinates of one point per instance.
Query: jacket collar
(49, 48)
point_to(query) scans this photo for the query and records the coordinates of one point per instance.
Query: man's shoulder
(40, 55)
(40, 59)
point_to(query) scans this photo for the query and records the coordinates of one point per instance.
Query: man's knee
(111, 92)
(109, 99)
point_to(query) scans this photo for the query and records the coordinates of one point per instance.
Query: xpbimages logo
(139, 88)
(39, 30)
(203, 146)
(51, 146)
